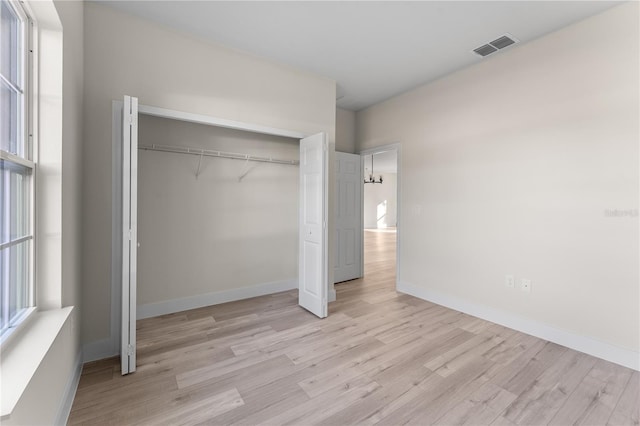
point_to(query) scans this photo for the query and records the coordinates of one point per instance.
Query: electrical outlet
(509, 281)
(526, 285)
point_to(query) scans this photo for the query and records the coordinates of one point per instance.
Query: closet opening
(205, 212)
(217, 215)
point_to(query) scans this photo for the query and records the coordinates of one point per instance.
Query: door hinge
(131, 350)
(130, 235)
(130, 119)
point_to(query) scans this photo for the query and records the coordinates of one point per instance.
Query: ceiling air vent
(485, 50)
(502, 42)
(495, 45)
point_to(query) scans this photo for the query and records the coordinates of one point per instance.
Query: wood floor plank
(207, 408)
(371, 360)
(451, 360)
(503, 421)
(100, 401)
(333, 350)
(328, 403)
(627, 411)
(260, 405)
(386, 399)
(381, 357)
(481, 407)
(413, 360)
(441, 395)
(542, 360)
(203, 374)
(545, 396)
(593, 401)
(97, 376)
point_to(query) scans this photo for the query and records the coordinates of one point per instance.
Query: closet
(214, 211)
(209, 225)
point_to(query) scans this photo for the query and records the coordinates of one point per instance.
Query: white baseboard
(332, 294)
(208, 299)
(100, 349)
(69, 392)
(625, 357)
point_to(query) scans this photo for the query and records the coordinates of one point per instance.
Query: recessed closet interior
(209, 225)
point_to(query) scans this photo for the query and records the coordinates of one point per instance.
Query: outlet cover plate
(509, 281)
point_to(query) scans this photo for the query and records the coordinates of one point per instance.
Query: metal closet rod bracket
(219, 154)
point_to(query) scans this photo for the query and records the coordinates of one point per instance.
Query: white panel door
(129, 232)
(312, 280)
(347, 265)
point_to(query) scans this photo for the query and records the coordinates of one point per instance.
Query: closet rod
(212, 153)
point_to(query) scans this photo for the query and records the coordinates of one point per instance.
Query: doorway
(380, 210)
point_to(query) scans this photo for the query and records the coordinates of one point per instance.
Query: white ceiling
(373, 50)
(383, 162)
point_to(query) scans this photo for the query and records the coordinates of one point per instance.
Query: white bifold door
(312, 262)
(129, 233)
(348, 196)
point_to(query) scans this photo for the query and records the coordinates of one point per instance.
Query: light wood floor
(380, 357)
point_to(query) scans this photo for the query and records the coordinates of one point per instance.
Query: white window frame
(29, 160)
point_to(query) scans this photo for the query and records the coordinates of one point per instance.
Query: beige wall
(214, 233)
(345, 131)
(509, 166)
(376, 194)
(127, 55)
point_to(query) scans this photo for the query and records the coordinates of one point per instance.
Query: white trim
(21, 322)
(69, 392)
(625, 357)
(7, 156)
(178, 305)
(15, 242)
(217, 121)
(331, 297)
(101, 349)
(327, 270)
(397, 147)
(21, 360)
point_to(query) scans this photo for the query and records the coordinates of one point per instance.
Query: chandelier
(372, 179)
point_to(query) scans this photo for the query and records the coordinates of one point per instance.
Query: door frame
(397, 147)
(112, 345)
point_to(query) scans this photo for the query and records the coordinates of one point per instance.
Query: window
(17, 170)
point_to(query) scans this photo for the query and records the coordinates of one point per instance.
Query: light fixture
(371, 179)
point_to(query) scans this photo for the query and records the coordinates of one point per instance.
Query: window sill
(22, 355)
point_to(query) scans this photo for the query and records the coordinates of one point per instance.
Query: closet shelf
(212, 153)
